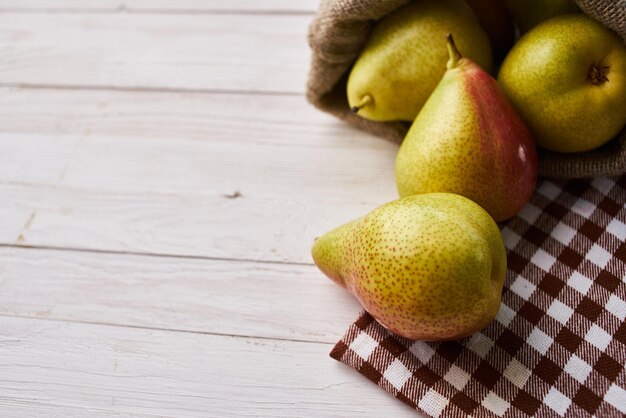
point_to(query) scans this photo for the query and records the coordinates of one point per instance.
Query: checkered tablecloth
(558, 344)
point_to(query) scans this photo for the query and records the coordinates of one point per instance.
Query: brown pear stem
(453, 52)
(365, 100)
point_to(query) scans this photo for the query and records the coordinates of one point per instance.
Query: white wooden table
(161, 180)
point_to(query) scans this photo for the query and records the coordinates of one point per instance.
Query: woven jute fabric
(340, 30)
(558, 344)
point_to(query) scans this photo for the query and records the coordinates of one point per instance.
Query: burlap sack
(341, 28)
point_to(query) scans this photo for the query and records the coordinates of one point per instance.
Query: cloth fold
(558, 344)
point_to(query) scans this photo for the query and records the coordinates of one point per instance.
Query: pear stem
(365, 100)
(453, 52)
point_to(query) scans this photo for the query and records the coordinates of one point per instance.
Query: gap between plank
(156, 11)
(147, 328)
(147, 89)
(146, 254)
(57, 186)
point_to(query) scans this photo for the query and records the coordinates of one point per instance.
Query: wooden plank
(33, 409)
(248, 228)
(185, 6)
(211, 296)
(190, 143)
(122, 370)
(225, 52)
(13, 219)
(152, 172)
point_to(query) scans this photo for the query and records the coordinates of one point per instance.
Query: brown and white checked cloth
(558, 344)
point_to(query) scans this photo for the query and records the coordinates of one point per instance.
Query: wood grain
(209, 296)
(211, 225)
(34, 408)
(121, 370)
(162, 157)
(153, 172)
(161, 6)
(225, 52)
(184, 142)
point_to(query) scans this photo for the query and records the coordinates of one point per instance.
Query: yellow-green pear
(567, 79)
(468, 139)
(404, 59)
(428, 267)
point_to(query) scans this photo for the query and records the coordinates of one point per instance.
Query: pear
(469, 140)
(403, 59)
(427, 267)
(567, 79)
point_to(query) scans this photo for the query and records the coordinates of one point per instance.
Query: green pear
(403, 59)
(468, 139)
(428, 267)
(567, 79)
(529, 13)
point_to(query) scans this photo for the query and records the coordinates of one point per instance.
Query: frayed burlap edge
(339, 32)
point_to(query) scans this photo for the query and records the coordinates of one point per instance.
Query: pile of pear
(432, 264)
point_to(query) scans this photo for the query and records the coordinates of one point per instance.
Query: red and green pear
(469, 140)
(428, 267)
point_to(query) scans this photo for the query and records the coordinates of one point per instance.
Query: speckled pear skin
(404, 59)
(553, 76)
(469, 140)
(427, 267)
